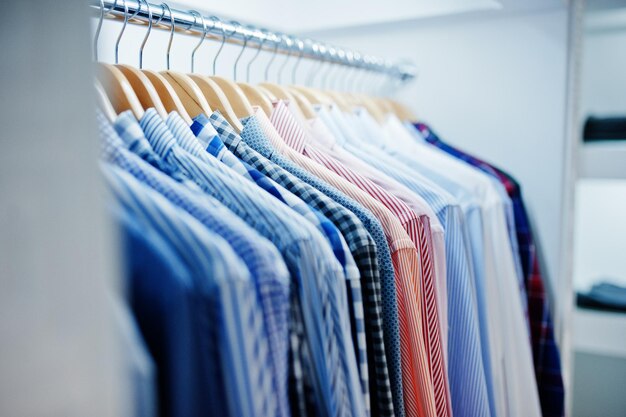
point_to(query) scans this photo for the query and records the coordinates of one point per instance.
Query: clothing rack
(190, 22)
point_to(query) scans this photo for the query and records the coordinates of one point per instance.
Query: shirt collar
(157, 132)
(272, 135)
(203, 129)
(226, 132)
(130, 132)
(109, 139)
(288, 127)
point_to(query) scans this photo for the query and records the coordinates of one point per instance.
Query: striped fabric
(545, 350)
(361, 245)
(515, 386)
(295, 137)
(374, 227)
(354, 288)
(235, 352)
(261, 257)
(384, 189)
(313, 267)
(468, 342)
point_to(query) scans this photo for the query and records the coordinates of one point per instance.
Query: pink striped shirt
(418, 385)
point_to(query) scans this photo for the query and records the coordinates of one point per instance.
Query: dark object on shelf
(603, 296)
(604, 128)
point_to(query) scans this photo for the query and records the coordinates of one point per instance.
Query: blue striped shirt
(230, 332)
(314, 269)
(263, 260)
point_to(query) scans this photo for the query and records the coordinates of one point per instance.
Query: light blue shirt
(231, 330)
(317, 274)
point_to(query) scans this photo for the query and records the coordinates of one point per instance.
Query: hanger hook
(119, 37)
(224, 36)
(145, 39)
(332, 52)
(258, 51)
(311, 75)
(276, 40)
(204, 32)
(289, 42)
(96, 37)
(300, 45)
(172, 29)
(243, 48)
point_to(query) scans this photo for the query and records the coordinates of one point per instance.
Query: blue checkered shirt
(387, 278)
(202, 126)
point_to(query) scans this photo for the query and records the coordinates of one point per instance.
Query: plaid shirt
(545, 350)
(387, 265)
(364, 251)
(234, 141)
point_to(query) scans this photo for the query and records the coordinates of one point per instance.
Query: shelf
(604, 160)
(600, 333)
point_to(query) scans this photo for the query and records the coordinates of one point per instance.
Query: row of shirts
(328, 267)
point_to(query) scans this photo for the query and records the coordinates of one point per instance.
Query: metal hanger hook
(300, 45)
(316, 64)
(96, 36)
(173, 28)
(276, 39)
(204, 33)
(119, 37)
(289, 42)
(258, 51)
(145, 39)
(243, 48)
(224, 36)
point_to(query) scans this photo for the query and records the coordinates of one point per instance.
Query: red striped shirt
(429, 393)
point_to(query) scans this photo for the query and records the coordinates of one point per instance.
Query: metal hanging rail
(189, 22)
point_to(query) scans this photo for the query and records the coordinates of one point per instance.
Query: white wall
(604, 64)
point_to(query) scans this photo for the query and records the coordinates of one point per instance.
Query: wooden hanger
(167, 94)
(188, 92)
(403, 112)
(257, 98)
(339, 101)
(236, 97)
(144, 89)
(214, 95)
(103, 102)
(304, 104)
(217, 99)
(120, 92)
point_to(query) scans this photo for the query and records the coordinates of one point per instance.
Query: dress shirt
(514, 384)
(217, 147)
(416, 216)
(417, 383)
(318, 275)
(373, 226)
(360, 242)
(468, 381)
(159, 285)
(545, 350)
(230, 333)
(263, 260)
